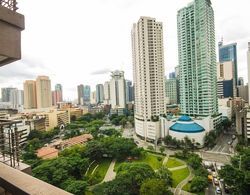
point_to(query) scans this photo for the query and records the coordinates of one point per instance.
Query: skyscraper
(43, 92)
(16, 98)
(6, 94)
(30, 101)
(99, 93)
(57, 95)
(197, 59)
(117, 90)
(86, 94)
(172, 90)
(129, 91)
(106, 88)
(229, 53)
(148, 73)
(248, 67)
(80, 89)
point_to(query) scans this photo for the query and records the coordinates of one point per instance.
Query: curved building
(185, 126)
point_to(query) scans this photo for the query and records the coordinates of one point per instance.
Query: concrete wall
(11, 25)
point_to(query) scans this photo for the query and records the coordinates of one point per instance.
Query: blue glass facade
(229, 53)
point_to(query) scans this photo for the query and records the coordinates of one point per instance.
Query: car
(233, 137)
(218, 190)
(216, 182)
(230, 142)
(214, 174)
(209, 170)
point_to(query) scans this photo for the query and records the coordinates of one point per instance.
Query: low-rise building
(47, 153)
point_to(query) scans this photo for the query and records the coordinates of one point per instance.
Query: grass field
(149, 158)
(179, 175)
(100, 171)
(173, 162)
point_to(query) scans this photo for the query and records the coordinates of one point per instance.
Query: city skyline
(36, 61)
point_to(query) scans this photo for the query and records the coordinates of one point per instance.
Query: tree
(194, 161)
(233, 177)
(164, 174)
(168, 139)
(76, 187)
(162, 149)
(198, 184)
(150, 147)
(155, 186)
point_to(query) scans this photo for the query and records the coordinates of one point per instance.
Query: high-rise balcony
(11, 25)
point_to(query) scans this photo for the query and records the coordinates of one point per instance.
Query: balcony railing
(10, 4)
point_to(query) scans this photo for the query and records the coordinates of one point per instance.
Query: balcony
(11, 25)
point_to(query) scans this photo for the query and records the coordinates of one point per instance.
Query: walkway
(177, 168)
(110, 175)
(165, 160)
(178, 190)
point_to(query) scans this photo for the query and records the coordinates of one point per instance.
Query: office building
(57, 95)
(93, 98)
(29, 91)
(129, 91)
(117, 90)
(197, 59)
(172, 90)
(171, 75)
(229, 53)
(86, 94)
(148, 73)
(16, 99)
(80, 92)
(99, 93)
(242, 91)
(43, 92)
(6, 94)
(106, 88)
(248, 67)
(226, 86)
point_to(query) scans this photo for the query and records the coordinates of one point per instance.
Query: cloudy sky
(81, 41)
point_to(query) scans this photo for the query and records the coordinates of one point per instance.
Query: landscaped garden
(179, 175)
(98, 171)
(154, 160)
(173, 162)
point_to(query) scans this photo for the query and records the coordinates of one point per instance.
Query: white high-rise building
(248, 67)
(93, 97)
(148, 73)
(117, 90)
(106, 88)
(16, 98)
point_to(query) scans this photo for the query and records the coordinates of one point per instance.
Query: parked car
(230, 142)
(218, 190)
(233, 137)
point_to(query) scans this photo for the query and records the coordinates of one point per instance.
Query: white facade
(225, 70)
(248, 125)
(148, 74)
(16, 98)
(248, 67)
(207, 123)
(117, 90)
(106, 87)
(93, 97)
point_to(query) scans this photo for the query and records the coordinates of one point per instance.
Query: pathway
(110, 175)
(177, 168)
(165, 160)
(178, 190)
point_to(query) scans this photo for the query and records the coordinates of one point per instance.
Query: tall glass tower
(229, 53)
(197, 59)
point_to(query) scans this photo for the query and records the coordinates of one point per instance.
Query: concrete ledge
(12, 18)
(17, 182)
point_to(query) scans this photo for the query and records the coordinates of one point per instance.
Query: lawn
(187, 187)
(92, 167)
(179, 175)
(173, 162)
(100, 171)
(149, 158)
